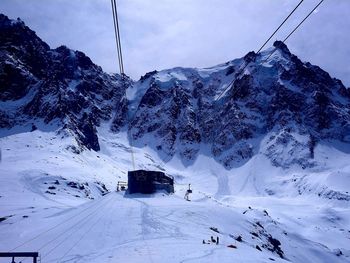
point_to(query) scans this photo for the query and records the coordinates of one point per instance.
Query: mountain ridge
(176, 111)
(267, 159)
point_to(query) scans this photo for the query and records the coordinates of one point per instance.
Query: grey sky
(159, 34)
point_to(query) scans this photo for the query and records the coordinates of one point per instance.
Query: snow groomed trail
(156, 228)
(137, 228)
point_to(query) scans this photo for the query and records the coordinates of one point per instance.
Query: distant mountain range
(278, 105)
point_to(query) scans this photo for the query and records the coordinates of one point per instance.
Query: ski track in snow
(68, 226)
(223, 184)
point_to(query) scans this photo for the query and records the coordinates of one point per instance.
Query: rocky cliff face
(277, 105)
(294, 104)
(53, 85)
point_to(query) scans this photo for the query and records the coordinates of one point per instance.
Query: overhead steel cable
(247, 63)
(117, 36)
(77, 224)
(121, 66)
(86, 221)
(118, 31)
(278, 28)
(81, 237)
(296, 28)
(128, 119)
(95, 204)
(309, 14)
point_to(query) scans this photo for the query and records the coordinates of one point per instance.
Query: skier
(186, 196)
(188, 192)
(217, 240)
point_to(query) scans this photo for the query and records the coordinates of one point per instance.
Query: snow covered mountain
(61, 86)
(177, 111)
(295, 104)
(267, 157)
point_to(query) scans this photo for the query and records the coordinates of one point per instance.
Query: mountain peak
(3, 18)
(7, 22)
(174, 111)
(16, 33)
(281, 46)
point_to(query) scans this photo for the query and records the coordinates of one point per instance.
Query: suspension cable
(247, 63)
(285, 20)
(309, 14)
(296, 28)
(121, 68)
(94, 204)
(290, 34)
(117, 36)
(118, 31)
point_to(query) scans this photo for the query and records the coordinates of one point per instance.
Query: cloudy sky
(159, 34)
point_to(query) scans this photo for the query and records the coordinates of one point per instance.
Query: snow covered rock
(228, 111)
(59, 85)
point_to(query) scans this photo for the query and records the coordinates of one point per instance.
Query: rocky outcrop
(60, 84)
(275, 104)
(280, 96)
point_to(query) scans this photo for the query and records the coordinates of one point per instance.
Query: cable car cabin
(148, 182)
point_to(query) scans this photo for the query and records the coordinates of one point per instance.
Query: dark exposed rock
(148, 75)
(281, 46)
(275, 246)
(239, 239)
(230, 70)
(54, 84)
(177, 110)
(250, 56)
(153, 97)
(88, 138)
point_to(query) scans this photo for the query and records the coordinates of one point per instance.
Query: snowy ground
(54, 201)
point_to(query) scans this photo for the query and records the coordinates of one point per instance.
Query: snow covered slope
(51, 201)
(39, 85)
(276, 99)
(267, 158)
